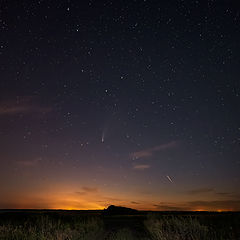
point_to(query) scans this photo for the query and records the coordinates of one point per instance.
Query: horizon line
(62, 209)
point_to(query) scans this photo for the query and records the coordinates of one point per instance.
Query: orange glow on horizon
(70, 196)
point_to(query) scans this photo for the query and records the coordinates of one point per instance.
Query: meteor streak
(170, 180)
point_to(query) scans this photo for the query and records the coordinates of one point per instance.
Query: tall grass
(175, 228)
(121, 234)
(46, 228)
(58, 225)
(198, 227)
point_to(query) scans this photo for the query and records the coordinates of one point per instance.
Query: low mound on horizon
(119, 210)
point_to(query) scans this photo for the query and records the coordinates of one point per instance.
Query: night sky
(131, 103)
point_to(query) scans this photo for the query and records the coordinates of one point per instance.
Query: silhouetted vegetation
(49, 227)
(119, 225)
(211, 226)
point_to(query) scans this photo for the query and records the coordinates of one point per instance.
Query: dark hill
(118, 210)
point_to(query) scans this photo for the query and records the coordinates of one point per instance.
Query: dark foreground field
(86, 225)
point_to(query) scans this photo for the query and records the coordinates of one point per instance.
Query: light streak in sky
(103, 137)
(169, 178)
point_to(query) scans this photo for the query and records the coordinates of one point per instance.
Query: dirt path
(125, 228)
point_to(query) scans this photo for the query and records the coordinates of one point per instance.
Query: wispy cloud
(29, 163)
(200, 191)
(135, 202)
(163, 207)
(24, 104)
(80, 193)
(8, 110)
(141, 166)
(232, 195)
(224, 193)
(218, 204)
(224, 205)
(146, 153)
(85, 190)
(207, 190)
(90, 189)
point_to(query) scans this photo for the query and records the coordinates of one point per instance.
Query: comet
(103, 137)
(169, 178)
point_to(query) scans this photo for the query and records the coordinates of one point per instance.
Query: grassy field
(79, 225)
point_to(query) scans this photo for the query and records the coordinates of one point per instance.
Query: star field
(134, 103)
